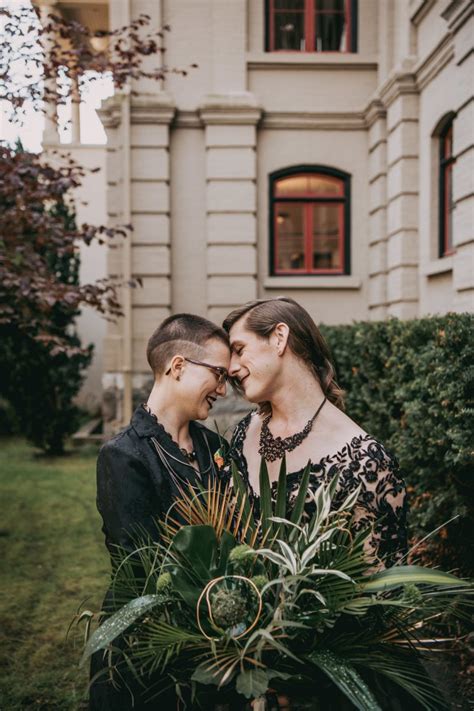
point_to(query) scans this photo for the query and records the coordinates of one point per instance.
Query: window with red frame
(311, 25)
(446, 162)
(310, 221)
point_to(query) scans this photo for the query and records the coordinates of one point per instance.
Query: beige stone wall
(189, 164)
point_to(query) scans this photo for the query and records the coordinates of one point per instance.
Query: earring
(178, 377)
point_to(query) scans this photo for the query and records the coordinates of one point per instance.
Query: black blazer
(134, 487)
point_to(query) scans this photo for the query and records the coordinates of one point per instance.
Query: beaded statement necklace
(272, 448)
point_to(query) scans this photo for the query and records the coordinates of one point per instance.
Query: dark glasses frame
(221, 373)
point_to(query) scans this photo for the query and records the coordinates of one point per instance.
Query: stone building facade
(322, 149)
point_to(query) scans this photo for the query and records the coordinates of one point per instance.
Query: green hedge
(411, 384)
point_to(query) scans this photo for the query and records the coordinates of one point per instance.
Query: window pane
(314, 185)
(289, 228)
(449, 208)
(289, 30)
(326, 249)
(330, 5)
(331, 31)
(288, 4)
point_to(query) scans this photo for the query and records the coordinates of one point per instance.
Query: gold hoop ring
(206, 592)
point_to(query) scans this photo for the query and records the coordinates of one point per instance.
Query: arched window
(309, 221)
(446, 162)
(311, 25)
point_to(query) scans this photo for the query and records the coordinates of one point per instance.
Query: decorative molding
(230, 109)
(110, 112)
(313, 282)
(310, 61)
(434, 63)
(438, 266)
(419, 9)
(327, 121)
(457, 14)
(374, 111)
(400, 83)
(152, 109)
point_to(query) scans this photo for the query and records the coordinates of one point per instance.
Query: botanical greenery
(40, 382)
(411, 384)
(52, 557)
(285, 600)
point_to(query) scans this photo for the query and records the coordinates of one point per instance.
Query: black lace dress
(382, 500)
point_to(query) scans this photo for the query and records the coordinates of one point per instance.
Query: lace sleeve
(382, 506)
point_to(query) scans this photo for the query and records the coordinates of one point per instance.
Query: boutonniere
(219, 458)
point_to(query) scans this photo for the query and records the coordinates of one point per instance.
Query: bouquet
(231, 604)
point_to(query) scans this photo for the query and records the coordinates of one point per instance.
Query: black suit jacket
(134, 487)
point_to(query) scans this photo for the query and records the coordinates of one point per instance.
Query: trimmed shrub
(411, 385)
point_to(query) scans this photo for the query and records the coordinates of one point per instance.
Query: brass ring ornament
(206, 593)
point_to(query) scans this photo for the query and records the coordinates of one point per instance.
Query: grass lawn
(52, 557)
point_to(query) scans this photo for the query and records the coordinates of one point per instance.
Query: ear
(176, 367)
(280, 336)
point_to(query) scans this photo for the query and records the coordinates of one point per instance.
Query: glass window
(446, 204)
(310, 222)
(311, 25)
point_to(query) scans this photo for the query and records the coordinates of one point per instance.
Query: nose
(234, 366)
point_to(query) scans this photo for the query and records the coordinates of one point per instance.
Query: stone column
(377, 137)
(400, 96)
(231, 200)
(138, 191)
(460, 18)
(50, 130)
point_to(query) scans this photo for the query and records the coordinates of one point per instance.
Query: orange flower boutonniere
(219, 458)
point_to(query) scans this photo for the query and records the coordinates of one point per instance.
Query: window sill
(310, 60)
(312, 282)
(443, 265)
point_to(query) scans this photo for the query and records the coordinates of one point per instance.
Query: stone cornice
(457, 13)
(230, 109)
(375, 110)
(402, 81)
(153, 109)
(110, 112)
(300, 120)
(426, 70)
(419, 9)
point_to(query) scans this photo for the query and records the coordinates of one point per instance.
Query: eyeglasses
(220, 373)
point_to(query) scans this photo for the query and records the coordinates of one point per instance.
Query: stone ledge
(313, 282)
(438, 266)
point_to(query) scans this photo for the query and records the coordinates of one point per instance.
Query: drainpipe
(126, 252)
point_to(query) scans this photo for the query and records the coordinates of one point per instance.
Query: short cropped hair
(181, 333)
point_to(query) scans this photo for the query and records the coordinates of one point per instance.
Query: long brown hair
(304, 339)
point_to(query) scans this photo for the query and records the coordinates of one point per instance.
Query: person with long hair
(281, 362)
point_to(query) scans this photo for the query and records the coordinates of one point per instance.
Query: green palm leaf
(280, 503)
(347, 679)
(113, 626)
(298, 509)
(404, 574)
(265, 496)
(243, 502)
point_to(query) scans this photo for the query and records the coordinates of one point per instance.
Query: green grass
(52, 557)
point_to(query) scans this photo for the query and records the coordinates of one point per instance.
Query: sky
(30, 133)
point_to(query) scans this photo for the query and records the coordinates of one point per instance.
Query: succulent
(228, 608)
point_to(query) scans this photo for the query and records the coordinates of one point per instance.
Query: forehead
(239, 334)
(217, 352)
